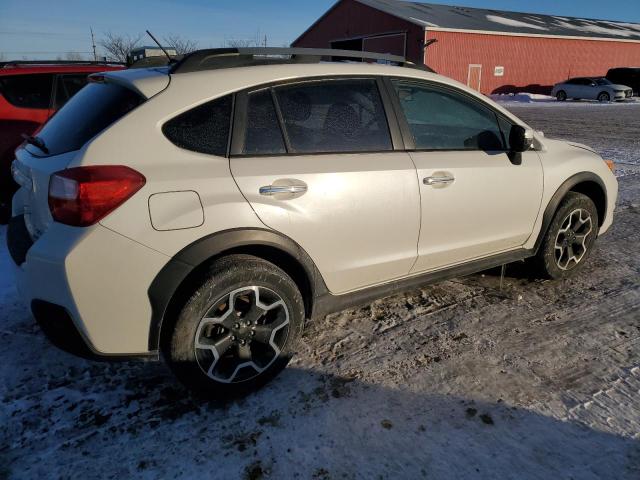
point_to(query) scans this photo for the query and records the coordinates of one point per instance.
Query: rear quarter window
(90, 111)
(203, 129)
(27, 91)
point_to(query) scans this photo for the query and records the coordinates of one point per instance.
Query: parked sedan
(591, 88)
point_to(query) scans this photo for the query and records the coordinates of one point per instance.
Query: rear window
(27, 91)
(90, 111)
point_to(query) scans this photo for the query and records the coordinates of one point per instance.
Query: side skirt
(329, 303)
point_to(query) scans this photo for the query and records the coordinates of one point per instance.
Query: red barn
(489, 50)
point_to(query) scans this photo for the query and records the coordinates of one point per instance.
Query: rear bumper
(89, 286)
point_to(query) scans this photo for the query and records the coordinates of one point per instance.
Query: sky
(46, 29)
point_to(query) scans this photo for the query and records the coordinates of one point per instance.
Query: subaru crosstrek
(203, 212)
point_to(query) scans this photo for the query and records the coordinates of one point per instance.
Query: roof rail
(219, 58)
(11, 63)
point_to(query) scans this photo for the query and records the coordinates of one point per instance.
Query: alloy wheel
(571, 240)
(242, 334)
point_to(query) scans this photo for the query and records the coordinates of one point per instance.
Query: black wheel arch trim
(560, 193)
(186, 262)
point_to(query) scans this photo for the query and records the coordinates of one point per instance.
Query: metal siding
(530, 63)
(350, 19)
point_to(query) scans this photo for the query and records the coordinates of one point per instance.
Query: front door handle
(439, 180)
(270, 190)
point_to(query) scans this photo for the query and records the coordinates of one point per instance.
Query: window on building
(441, 119)
(203, 129)
(334, 116)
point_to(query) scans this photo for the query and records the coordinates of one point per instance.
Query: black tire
(555, 263)
(228, 275)
(604, 97)
(561, 96)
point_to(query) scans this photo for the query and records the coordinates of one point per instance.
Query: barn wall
(530, 64)
(350, 19)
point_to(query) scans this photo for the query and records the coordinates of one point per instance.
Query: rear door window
(334, 116)
(263, 135)
(89, 112)
(203, 129)
(27, 91)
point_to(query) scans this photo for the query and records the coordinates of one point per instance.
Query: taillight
(82, 196)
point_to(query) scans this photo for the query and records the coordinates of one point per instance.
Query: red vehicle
(30, 93)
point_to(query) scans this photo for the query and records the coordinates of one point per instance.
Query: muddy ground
(457, 380)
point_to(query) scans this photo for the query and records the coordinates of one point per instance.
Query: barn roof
(431, 15)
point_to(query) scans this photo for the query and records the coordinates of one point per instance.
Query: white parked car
(205, 211)
(598, 88)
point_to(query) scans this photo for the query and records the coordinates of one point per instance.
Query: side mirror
(520, 139)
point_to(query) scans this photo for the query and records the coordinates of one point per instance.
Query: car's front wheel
(604, 97)
(570, 237)
(239, 328)
(561, 96)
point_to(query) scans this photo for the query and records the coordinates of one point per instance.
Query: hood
(581, 146)
(619, 87)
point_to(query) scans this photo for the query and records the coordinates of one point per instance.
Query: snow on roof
(466, 18)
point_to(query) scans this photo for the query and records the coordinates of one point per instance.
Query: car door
(589, 89)
(476, 201)
(316, 161)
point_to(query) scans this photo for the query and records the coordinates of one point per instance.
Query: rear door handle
(270, 190)
(439, 180)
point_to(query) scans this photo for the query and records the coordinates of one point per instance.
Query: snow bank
(521, 97)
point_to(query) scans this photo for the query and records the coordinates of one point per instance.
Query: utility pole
(93, 43)
(265, 40)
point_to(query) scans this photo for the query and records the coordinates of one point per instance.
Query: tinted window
(263, 135)
(67, 86)
(89, 112)
(27, 91)
(441, 119)
(334, 116)
(203, 129)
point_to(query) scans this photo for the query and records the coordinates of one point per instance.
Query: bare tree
(118, 47)
(258, 40)
(182, 46)
(74, 56)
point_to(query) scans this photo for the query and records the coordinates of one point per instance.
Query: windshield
(90, 111)
(603, 81)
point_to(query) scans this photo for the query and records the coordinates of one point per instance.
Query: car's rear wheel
(604, 97)
(239, 328)
(561, 96)
(570, 237)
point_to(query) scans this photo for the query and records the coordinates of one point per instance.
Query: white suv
(204, 211)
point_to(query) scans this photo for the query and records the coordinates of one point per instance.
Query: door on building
(474, 77)
(393, 43)
(475, 201)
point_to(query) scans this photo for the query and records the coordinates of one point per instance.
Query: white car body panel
(491, 206)
(359, 219)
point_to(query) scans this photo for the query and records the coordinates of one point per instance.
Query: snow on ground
(455, 380)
